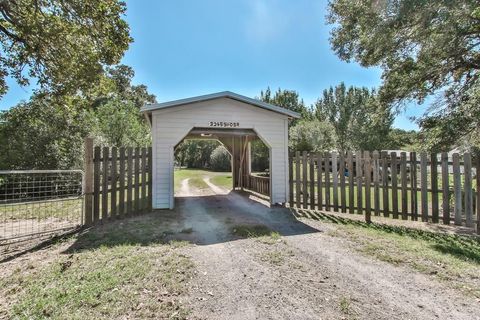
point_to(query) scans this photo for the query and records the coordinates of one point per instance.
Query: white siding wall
(170, 126)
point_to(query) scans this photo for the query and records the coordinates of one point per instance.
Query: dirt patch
(306, 274)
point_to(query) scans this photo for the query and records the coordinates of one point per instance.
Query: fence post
(88, 181)
(478, 193)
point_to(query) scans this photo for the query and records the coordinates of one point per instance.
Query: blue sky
(184, 48)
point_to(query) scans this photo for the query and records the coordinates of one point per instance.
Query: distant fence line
(412, 186)
(118, 181)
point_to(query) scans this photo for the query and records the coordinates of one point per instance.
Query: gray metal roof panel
(223, 94)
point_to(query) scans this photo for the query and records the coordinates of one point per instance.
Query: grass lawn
(196, 176)
(123, 269)
(454, 259)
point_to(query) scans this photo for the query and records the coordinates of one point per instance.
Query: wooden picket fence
(428, 187)
(118, 182)
(258, 184)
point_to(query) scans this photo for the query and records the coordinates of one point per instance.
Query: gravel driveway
(306, 274)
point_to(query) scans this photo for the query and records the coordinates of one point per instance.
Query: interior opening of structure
(221, 160)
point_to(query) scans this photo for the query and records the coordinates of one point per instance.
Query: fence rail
(39, 202)
(118, 182)
(431, 188)
(258, 184)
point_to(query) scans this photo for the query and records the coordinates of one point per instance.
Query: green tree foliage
(287, 99)
(47, 132)
(195, 153)
(220, 159)
(424, 48)
(41, 134)
(118, 124)
(313, 135)
(400, 139)
(260, 156)
(358, 118)
(64, 44)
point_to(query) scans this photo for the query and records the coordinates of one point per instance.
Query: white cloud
(266, 21)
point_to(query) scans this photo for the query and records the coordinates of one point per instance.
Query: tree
(260, 156)
(424, 48)
(64, 44)
(287, 99)
(220, 159)
(117, 123)
(47, 132)
(358, 118)
(313, 135)
(41, 134)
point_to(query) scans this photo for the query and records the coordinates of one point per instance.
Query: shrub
(220, 159)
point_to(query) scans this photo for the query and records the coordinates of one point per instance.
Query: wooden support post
(327, 181)
(96, 184)
(304, 180)
(358, 161)
(376, 184)
(150, 178)
(88, 182)
(368, 172)
(467, 186)
(297, 180)
(113, 184)
(319, 182)
(403, 177)
(457, 186)
(434, 186)
(343, 195)
(290, 181)
(385, 177)
(394, 170)
(312, 181)
(105, 177)
(121, 185)
(335, 181)
(478, 193)
(129, 180)
(445, 189)
(413, 185)
(424, 185)
(351, 185)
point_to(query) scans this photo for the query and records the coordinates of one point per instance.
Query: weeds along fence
(427, 187)
(118, 182)
(36, 203)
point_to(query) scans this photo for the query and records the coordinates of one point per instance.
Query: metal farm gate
(38, 204)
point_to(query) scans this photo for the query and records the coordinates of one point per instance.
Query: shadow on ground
(462, 246)
(201, 220)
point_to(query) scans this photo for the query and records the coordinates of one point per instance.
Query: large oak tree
(428, 47)
(63, 44)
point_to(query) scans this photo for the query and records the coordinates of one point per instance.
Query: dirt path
(306, 274)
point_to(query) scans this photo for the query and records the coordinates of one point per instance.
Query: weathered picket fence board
(390, 184)
(120, 180)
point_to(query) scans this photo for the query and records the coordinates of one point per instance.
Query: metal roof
(224, 94)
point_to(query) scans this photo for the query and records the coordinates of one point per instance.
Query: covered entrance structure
(232, 119)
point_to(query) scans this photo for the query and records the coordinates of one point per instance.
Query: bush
(220, 159)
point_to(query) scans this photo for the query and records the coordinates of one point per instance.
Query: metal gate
(39, 203)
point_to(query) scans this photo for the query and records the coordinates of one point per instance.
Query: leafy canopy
(288, 99)
(64, 44)
(424, 48)
(47, 132)
(359, 119)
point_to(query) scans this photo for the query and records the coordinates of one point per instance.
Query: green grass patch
(252, 231)
(124, 269)
(196, 176)
(223, 180)
(106, 283)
